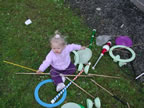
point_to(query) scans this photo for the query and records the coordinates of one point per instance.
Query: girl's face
(57, 48)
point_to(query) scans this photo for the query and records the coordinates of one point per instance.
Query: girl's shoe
(60, 86)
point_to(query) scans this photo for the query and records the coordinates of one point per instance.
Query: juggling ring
(122, 60)
(46, 104)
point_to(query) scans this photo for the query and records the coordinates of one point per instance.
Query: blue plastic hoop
(43, 103)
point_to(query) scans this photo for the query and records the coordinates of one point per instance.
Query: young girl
(59, 60)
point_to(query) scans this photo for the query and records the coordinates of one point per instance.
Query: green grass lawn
(28, 46)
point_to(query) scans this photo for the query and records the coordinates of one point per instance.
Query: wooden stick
(81, 88)
(102, 87)
(88, 75)
(115, 97)
(33, 73)
(19, 66)
(104, 76)
(128, 105)
(53, 76)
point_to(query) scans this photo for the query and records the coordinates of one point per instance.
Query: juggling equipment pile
(82, 57)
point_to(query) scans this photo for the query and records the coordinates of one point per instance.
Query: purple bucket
(123, 40)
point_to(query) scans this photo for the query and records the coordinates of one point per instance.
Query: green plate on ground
(71, 105)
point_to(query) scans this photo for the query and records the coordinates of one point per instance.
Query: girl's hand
(39, 72)
(82, 48)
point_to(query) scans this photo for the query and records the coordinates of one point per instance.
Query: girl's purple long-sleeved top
(59, 61)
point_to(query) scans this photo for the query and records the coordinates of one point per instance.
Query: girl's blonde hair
(58, 38)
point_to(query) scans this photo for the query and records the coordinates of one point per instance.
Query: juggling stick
(97, 61)
(92, 38)
(61, 92)
(124, 103)
(104, 50)
(80, 88)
